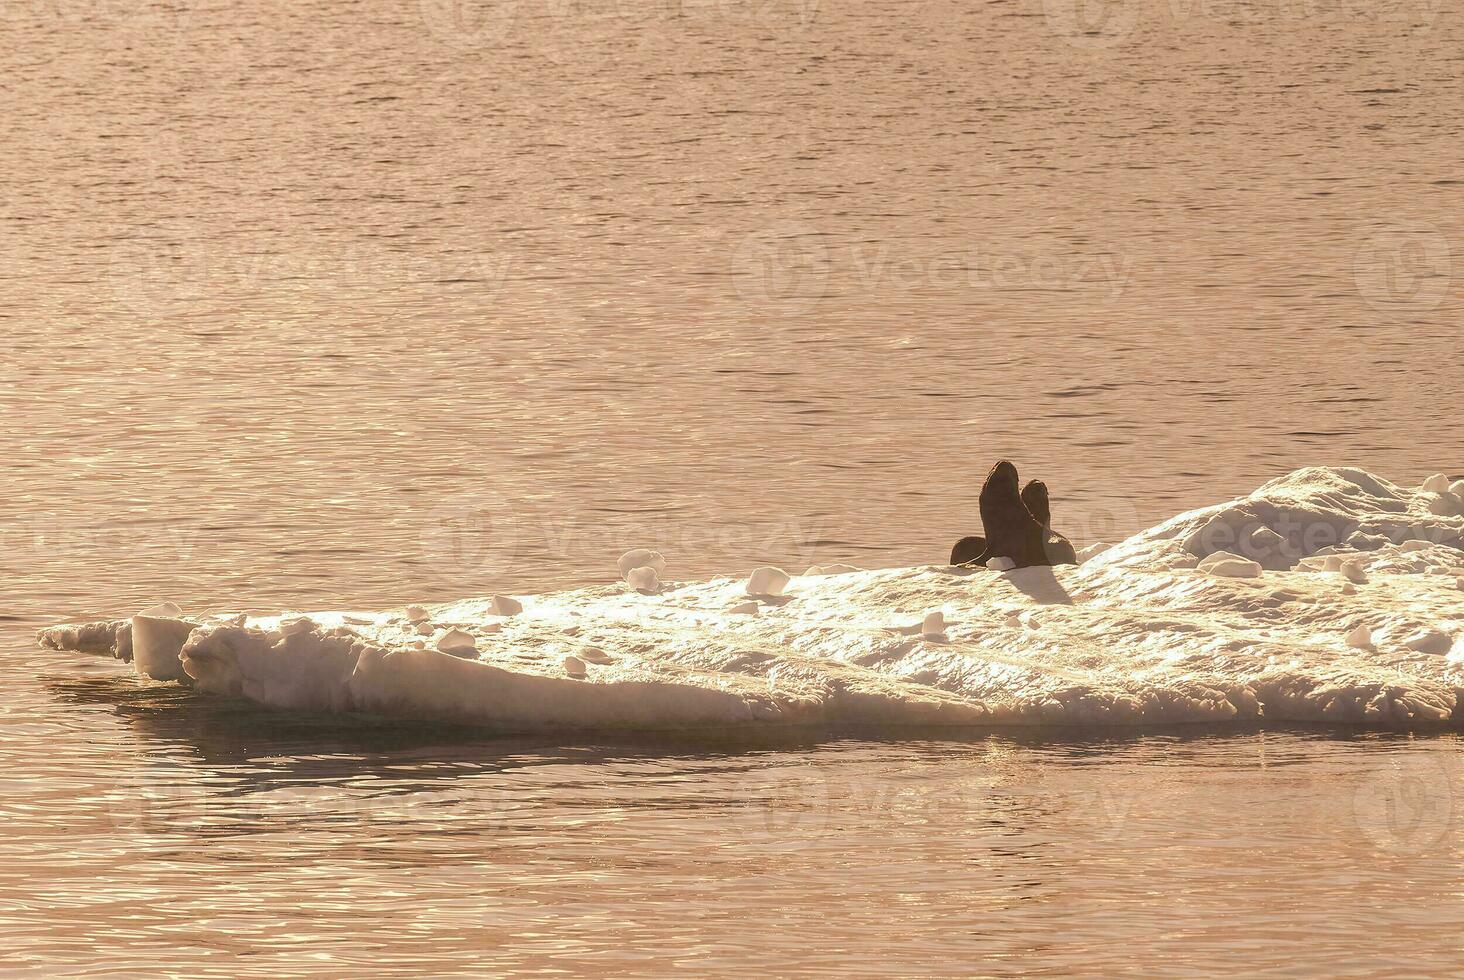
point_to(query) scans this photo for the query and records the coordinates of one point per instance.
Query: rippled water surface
(204, 837)
(328, 303)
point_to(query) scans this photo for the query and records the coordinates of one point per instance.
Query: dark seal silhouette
(967, 550)
(1059, 549)
(1011, 530)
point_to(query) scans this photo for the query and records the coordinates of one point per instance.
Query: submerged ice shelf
(1327, 595)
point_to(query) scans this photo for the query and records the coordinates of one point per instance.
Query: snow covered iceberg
(1327, 595)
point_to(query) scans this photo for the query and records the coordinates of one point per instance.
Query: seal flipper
(1059, 550)
(1011, 530)
(967, 550)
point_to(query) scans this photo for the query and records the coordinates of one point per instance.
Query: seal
(967, 550)
(1059, 550)
(1011, 530)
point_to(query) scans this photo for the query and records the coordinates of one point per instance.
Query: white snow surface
(1138, 634)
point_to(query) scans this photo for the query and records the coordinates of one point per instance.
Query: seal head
(1059, 549)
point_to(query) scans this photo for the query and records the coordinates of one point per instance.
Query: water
(197, 835)
(323, 304)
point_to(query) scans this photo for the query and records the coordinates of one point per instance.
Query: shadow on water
(220, 731)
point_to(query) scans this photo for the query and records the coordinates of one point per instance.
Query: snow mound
(1319, 597)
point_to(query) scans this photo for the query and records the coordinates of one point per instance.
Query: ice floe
(1341, 615)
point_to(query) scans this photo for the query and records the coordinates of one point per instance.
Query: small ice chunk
(1443, 505)
(1360, 638)
(1235, 568)
(594, 655)
(934, 624)
(575, 667)
(1438, 483)
(1264, 538)
(292, 627)
(457, 643)
(415, 614)
(418, 644)
(1031, 621)
(157, 642)
(1349, 589)
(1214, 558)
(643, 579)
(426, 628)
(745, 609)
(505, 605)
(1352, 571)
(641, 558)
(838, 568)
(1001, 563)
(163, 610)
(767, 581)
(1433, 642)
